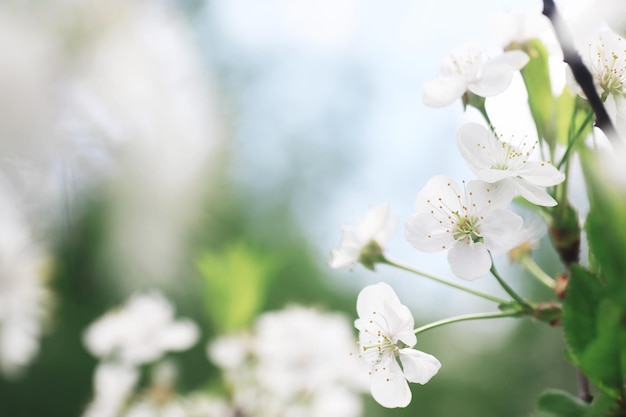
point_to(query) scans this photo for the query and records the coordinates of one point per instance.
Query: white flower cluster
(470, 220)
(139, 332)
(298, 362)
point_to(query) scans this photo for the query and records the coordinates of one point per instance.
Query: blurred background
(212, 149)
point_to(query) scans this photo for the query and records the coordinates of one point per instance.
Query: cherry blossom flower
(606, 60)
(386, 338)
(471, 222)
(140, 332)
(496, 161)
(364, 243)
(467, 69)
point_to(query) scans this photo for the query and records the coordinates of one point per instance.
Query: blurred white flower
(297, 362)
(23, 296)
(113, 385)
(467, 69)
(470, 223)
(386, 337)
(508, 166)
(377, 228)
(141, 331)
(519, 27)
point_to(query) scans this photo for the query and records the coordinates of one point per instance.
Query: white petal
(419, 367)
(495, 79)
(541, 173)
(443, 91)
(487, 197)
(388, 385)
(501, 230)
(426, 234)
(379, 225)
(469, 260)
(474, 142)
(180, 335)
(515, 59)
(494, 175)
(441, 194)
(619, 120)
(534, 194)
(349, 249)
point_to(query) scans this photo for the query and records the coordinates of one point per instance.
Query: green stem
(575, 139)
(465, 317)
(523, 303)
(536, 271)
(443, 281)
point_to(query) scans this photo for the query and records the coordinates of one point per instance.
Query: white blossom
(519, 27)
(386, 336)
(113, 386)
(508, 166)
(139, 332)
(470, 222)
(467, 69)
(23, 296)
(606, 60)
(297, 362)
(378, 226)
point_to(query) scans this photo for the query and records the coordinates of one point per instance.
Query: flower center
(467, 229)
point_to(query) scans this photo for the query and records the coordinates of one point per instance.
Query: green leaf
(601, 361)
(606, 226)
(556, 403)
(236, 282)
(536, 76)
(584, 294)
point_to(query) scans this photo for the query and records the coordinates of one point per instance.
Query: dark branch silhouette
(581, 73)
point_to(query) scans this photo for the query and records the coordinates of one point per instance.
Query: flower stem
(574, 139)
(443, 281)
(523, 303)
(465, 317)
(536, 271)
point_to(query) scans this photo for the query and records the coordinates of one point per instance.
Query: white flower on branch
(469, 221)
(606, 60)
(510, 167)
(386, 338)
(467, 69)
(365, 242)
(140, 332)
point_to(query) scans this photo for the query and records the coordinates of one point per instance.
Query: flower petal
(426, 234)
(443, 91)
(469, 260)
(495, 79)
(501, 230)
(441, 194)
(418, 366)
(515, 59)
(497, 73)
(379, 225)
(388, 385)
(534, 194)
(475, 142)
(541, 173)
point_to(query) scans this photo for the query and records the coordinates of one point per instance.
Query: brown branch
(581, 73)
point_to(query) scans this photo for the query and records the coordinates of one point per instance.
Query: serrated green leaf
(601, 361)
(556, 403)
(584, 294)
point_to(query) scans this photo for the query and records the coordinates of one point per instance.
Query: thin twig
(581, 73)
